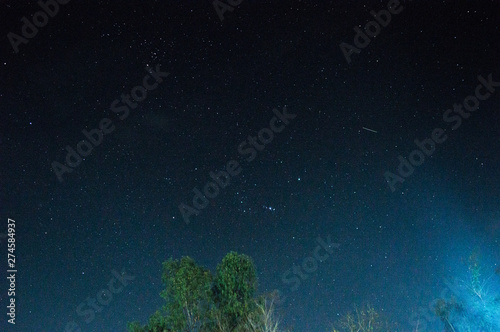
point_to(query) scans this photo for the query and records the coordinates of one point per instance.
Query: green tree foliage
(187, 293)
(157, 323)
(234, 288)
(196, 301)
(188, 297)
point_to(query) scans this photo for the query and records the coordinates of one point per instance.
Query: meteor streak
(368, 129)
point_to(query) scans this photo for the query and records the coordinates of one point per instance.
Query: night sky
(314, 123)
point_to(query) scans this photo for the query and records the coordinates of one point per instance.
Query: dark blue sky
(322, 174)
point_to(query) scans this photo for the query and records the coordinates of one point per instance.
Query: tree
(188, 297)
(187, 293)
(157, 323)
(198, 302)
(365, 319)
(234, 289)
(443, 310)
(475, 305)
(263, 318)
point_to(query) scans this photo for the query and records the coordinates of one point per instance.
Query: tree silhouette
(234, 288)
(196, 301)
(364, 319)
(475, 305)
